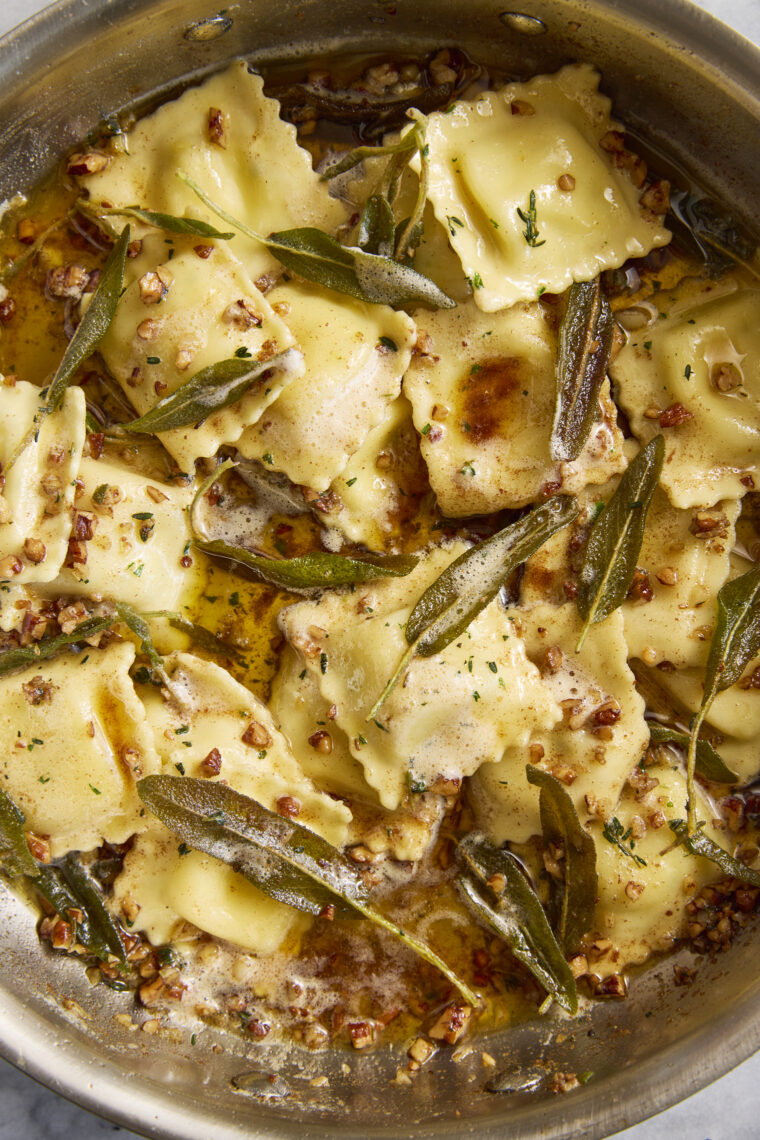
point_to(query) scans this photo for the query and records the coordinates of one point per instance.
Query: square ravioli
(229, 138)
(482, 388)
(549, 144)
(694, 373)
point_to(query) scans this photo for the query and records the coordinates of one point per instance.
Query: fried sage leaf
(286, 861)
(473, 580)
(496, 890)
(616, 536)
(406, 144)
(94, 324)
(140, 628)
(313, 571)
(104, 934)
(318, 257)
(574, 900)
(15, 857)
(20, 657)
(208, 391)
(709, 763)
(735, 642)
(585, 341)
(67, 887)
(718, 237)
(204, 638)
(168, 222)
(700, 844)
(377, 227)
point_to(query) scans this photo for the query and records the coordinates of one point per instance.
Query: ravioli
(246, 158)
(698, 365)
(181, 315)
(483, 393)
(355, 354)
(139, 539)
(73, 745)
(450, 713)
(39, 458)
(599, 740)
(543, 140)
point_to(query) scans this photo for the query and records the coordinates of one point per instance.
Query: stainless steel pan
(692, 89)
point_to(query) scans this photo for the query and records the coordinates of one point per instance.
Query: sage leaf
(313, 571)
(709, 763)
(208, 391)
(574, 900)
(168, 222)
(585, 341)
(288, 862)
(473, 580)
(15, 857)
(140, 628)
(360, 153)
(20, 657)
(104, 935)
(94, 324)
(377, 227)
(318, 257)
(498, 893)
(205, 639)
(616, 536)
(67, 886)
(700, 844)
(717, 236)
(735, 642)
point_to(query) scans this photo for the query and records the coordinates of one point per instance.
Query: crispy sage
(168, 222)
(204, 638)
(574, 899)
(139, 627)
(286, 861)
(700, 844)
(735, 642)
(20, 657)
(473, 580)
(585, 341)
(709, 762)
(313, 571)
(719, 238)
(208, 391)
(94, 324)
(615, 539)
(377, 227)
(496, 890)
(66, 886)
(406, 144)
(320, 258)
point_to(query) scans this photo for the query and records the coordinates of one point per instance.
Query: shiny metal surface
(679, 79)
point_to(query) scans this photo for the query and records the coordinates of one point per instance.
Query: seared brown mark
(492, 397)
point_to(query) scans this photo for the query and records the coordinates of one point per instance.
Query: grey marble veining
(727, 1110)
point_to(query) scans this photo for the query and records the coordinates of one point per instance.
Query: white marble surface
(727, 1110)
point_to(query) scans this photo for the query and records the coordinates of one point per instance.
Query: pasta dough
(488, 156)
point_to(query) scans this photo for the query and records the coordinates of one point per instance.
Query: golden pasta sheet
(694, 374)
(449, 714)
(178, 317)
(354, 355)
(483, 389)
(644, 887)
(550, 141)
(601, 737)
(229, 138)
(74, 742)
(322, 751)
(39, 463)
(138, 536)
